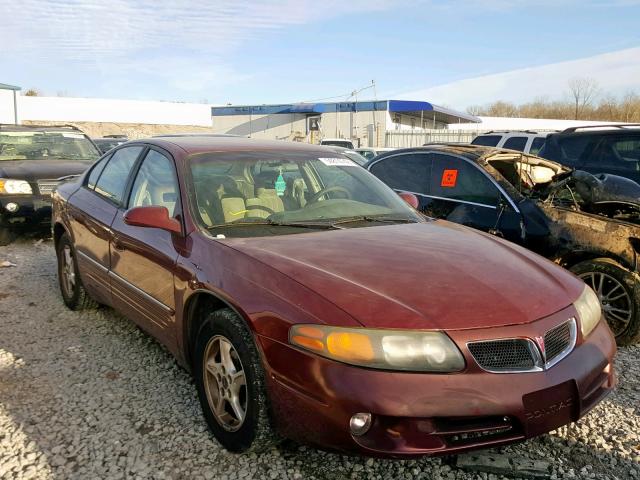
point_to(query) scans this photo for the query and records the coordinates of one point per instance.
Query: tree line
(584, 101)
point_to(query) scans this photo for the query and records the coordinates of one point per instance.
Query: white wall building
(69, 109)
(9, 103)
(507, 123)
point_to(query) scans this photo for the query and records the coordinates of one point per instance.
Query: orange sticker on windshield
(449, 178)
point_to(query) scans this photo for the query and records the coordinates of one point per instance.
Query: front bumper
(34, 211)
(429, 414)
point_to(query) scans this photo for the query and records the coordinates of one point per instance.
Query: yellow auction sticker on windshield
(338, 162)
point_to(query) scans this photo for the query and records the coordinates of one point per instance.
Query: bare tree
(32, 92)
(475, 110)
(583, 92)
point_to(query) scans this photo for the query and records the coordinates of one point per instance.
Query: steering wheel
(324, 191)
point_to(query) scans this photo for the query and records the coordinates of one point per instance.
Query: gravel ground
(88, 395)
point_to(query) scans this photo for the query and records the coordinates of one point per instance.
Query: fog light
(360, 423)
(11, 207)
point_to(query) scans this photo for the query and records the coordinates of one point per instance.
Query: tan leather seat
(164, 196)
(233, 208)
(265, 203)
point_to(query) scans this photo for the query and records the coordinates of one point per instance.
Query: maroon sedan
(310, 300)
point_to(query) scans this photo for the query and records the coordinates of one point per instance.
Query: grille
(512, 354)
(46, 187)
(558, 339)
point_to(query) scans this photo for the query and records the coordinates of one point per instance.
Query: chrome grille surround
(46, 187)
(559, 342)
(517, 355)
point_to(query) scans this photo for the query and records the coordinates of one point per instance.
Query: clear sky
(455, 53)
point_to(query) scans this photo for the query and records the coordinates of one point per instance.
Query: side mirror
(410, 199)
(152, 217)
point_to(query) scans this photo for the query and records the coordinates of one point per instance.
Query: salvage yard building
(366, 123)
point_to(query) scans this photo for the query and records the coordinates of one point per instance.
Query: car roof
(614, 129)
(191, 144)
(522, 133)
(48, 128)
(475, 153)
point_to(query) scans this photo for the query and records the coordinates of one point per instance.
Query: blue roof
(4, 86)
(397, 106)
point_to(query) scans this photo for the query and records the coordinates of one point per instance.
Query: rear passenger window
(113, 180)
(486, 140)
(536, 145)
(96, 170)
(627, 148)
(456, 179)
(516, 143)
(404, 172)
(617, 153)
(573, 148)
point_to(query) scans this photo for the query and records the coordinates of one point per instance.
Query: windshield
(43, 145)
(242, 190)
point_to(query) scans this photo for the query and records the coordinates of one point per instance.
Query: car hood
(32, 170)
(429, 275)
(606, 188)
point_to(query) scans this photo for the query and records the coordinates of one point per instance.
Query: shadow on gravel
(88, 395)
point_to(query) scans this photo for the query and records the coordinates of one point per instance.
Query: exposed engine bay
(553, 184)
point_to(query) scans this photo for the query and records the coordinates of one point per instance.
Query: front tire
(231, 384)
(619, 293)
(74, 295)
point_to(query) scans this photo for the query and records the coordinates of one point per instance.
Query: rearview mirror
(410, 199)
(152, 217)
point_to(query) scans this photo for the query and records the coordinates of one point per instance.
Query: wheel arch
(199, 303)
(58, 231)
(573, 258)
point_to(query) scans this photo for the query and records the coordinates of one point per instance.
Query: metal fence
(411, 138)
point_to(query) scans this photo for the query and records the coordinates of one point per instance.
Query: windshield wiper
(273, 223)
(377, 219)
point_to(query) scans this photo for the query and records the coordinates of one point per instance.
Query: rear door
(92, 210)
(452, 188)
(463, 193)
(143, 259)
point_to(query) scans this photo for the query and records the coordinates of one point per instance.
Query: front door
(143, 259)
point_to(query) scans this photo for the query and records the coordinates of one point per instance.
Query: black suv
(33, 160)
(597, 149)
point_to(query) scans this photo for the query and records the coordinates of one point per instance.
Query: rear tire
(6, 236)
(619, 293)
(237, 385)
(74, 295)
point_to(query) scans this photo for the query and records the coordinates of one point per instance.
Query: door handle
(118, 245)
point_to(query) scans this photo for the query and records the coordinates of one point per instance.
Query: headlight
(14, 186)
(415, 351)
(589, 310)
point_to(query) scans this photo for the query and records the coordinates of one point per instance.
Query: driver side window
(112, 181)
(156, 184)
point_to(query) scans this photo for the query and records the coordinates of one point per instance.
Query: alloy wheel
(68, 271)
(225, 383)
(614, 297)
